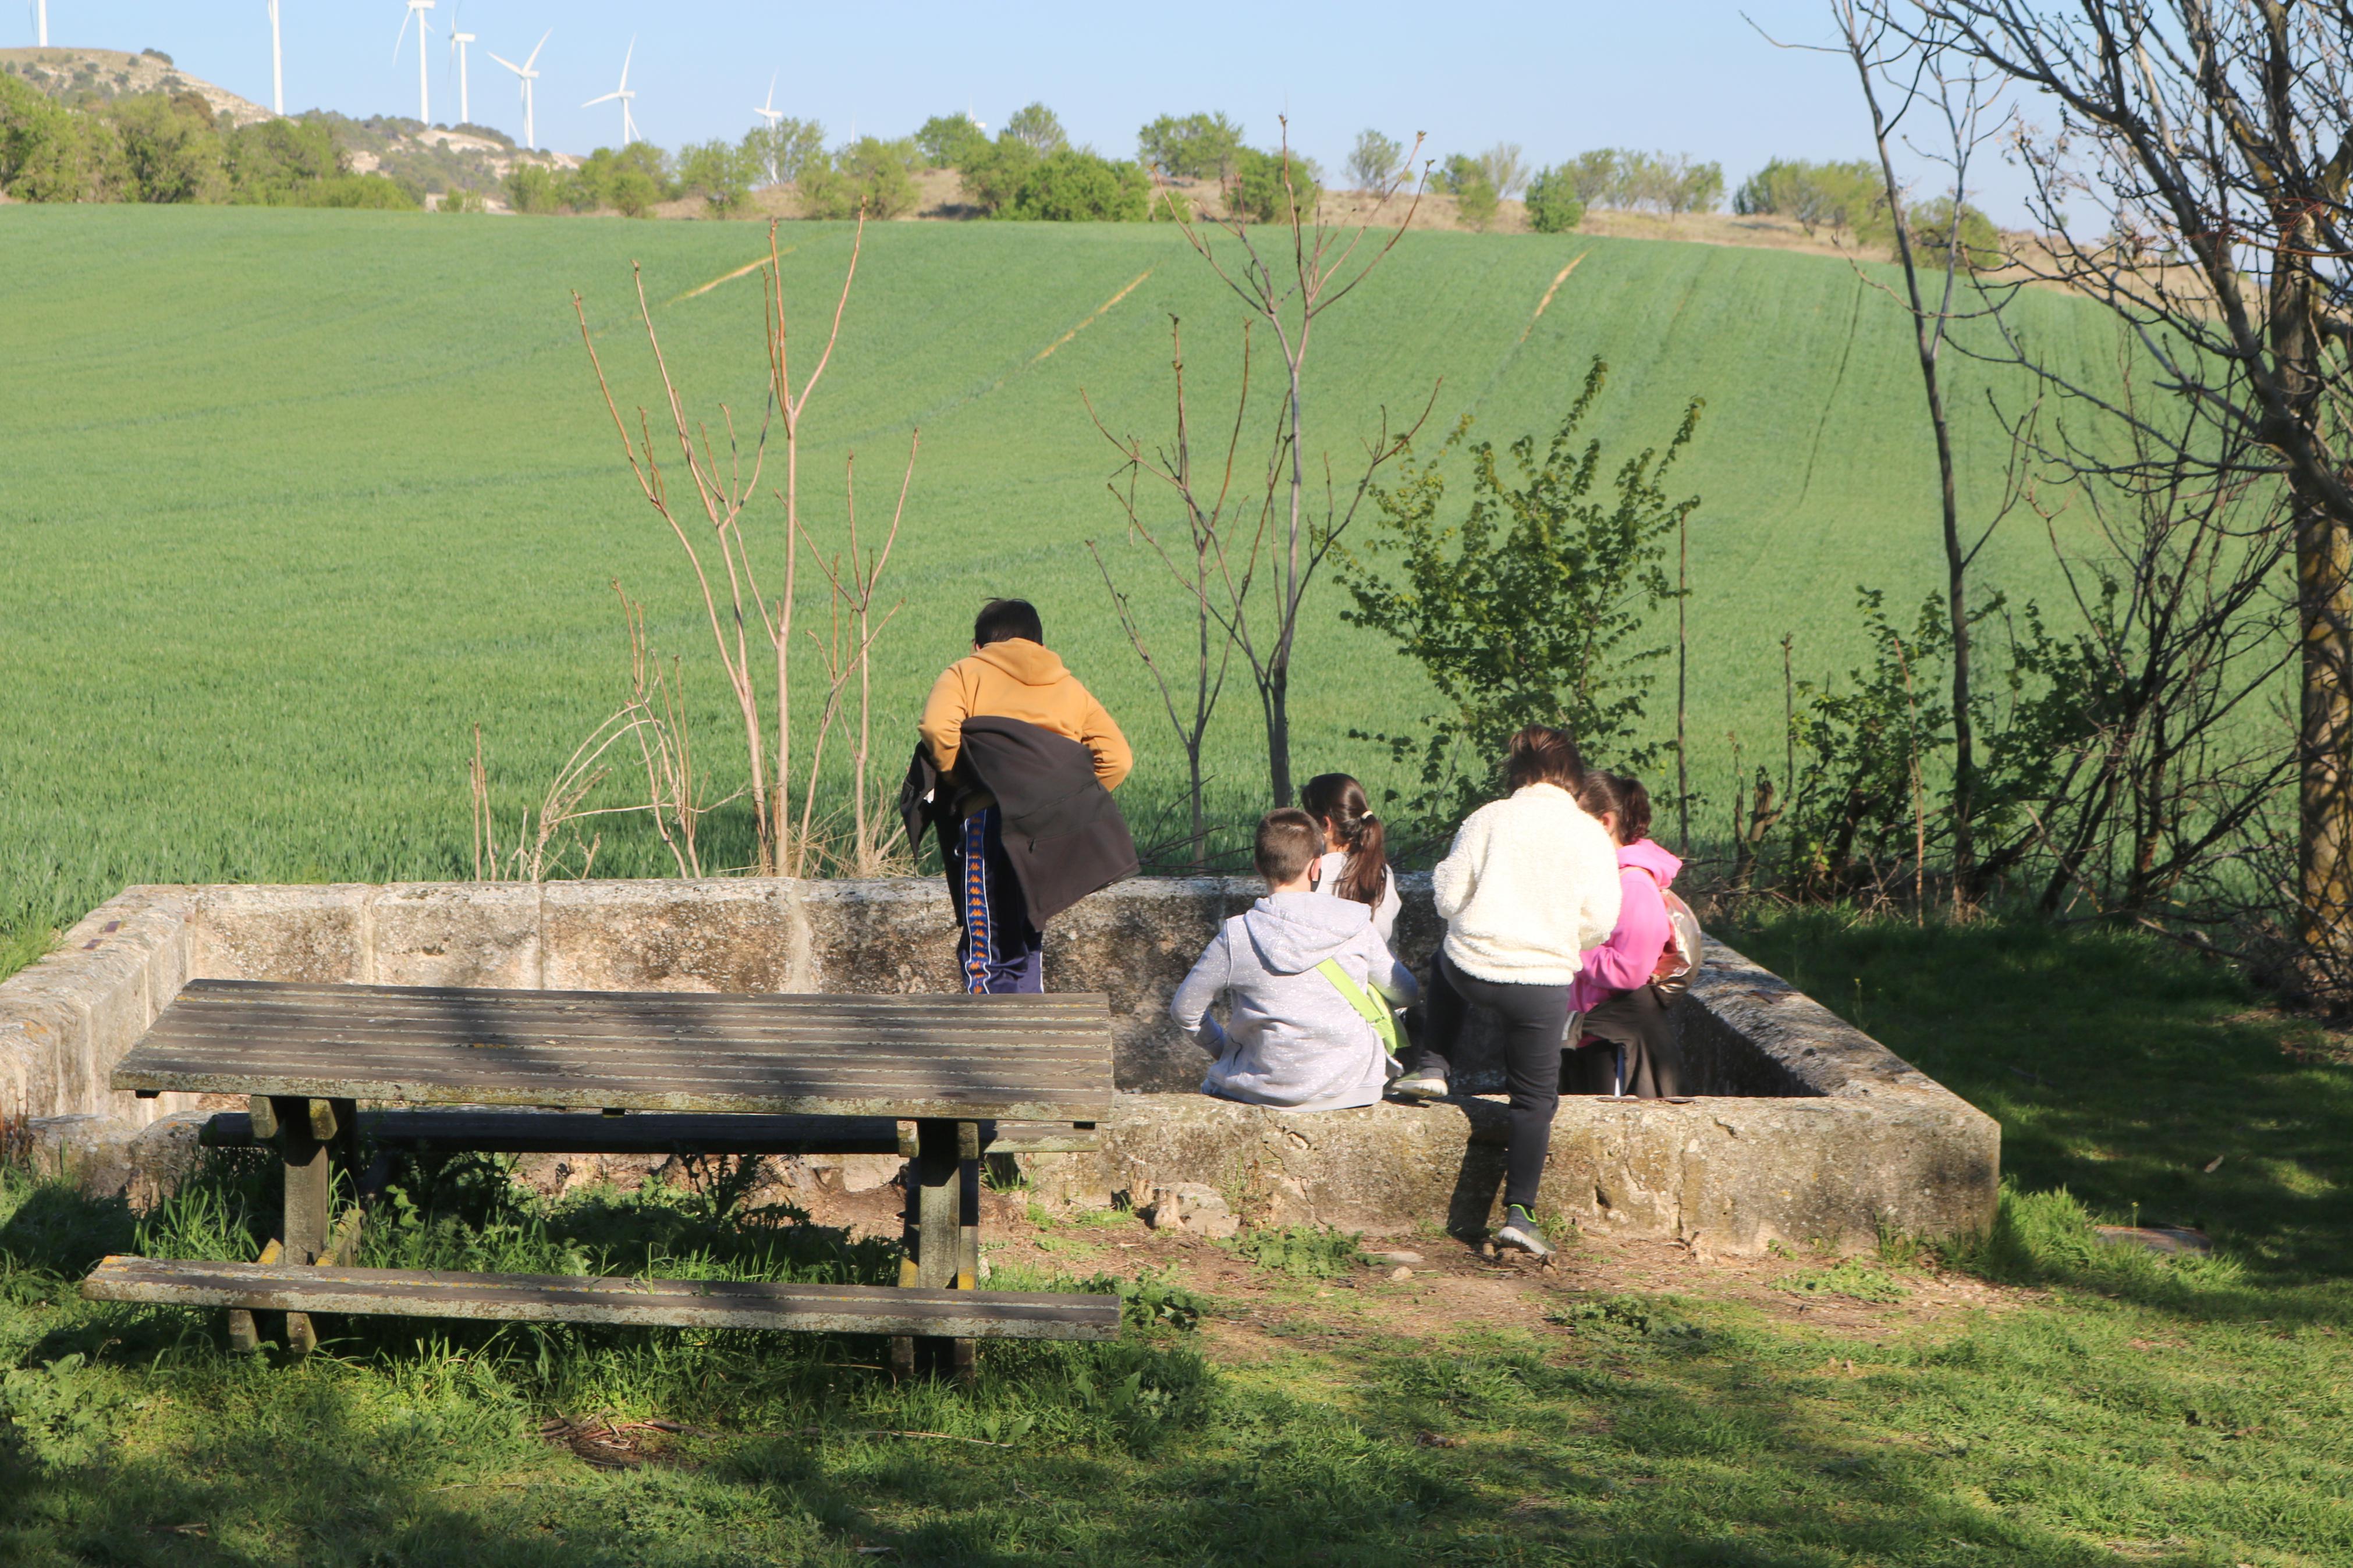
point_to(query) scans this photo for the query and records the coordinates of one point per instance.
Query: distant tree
(1373, 162)
(271, 159)
(721, 172)
(780, 151)
(530, 188)
(1263, 187)
(1819, 195)
(870, 175)
(50, 153)
(1553, 205)
(1594, 178)
(1504, 169)
(1932, 233)
(946, 141)
(458, 199)
(1663, 181)
(1072, 186)
(1039, 126)
(992, 173)
(171, 146)
(370, 190)
(630, 182)
(1466, 179)
(1193, 147)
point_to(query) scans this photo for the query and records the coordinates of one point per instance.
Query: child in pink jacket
(1628, 1045)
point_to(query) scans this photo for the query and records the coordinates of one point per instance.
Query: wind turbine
(527, 75)
(41, 8)
(277, 64)
(458, 42)
(416, 9)
(622, 92)
(771, 113)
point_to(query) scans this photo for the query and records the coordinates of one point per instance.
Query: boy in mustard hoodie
(1010, 674)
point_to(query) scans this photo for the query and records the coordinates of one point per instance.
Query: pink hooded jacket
(1632, 954)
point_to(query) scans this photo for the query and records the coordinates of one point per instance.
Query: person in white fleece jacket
(1530, 883)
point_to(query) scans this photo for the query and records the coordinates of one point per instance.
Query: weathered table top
(1038, 1058)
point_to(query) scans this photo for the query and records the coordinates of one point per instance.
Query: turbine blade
(626, 59)
(532, 59)
(506, 62)
(595, 102)
(402, 37)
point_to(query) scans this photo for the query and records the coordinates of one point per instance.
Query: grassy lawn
(2033, 1396)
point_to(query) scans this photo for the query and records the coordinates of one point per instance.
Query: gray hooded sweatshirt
(1292, 1040)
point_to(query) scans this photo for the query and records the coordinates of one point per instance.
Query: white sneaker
(1520, 1229)
(1424, 1083)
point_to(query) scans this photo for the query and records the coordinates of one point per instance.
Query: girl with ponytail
(1358, 865)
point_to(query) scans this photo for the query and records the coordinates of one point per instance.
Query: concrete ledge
(1808, 1129)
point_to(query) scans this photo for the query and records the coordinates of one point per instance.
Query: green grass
(2109, 1405)
(295, 499)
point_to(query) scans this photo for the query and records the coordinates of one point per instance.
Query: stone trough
(1804, 1129)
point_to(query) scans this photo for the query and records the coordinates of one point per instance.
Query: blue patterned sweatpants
(999, 949)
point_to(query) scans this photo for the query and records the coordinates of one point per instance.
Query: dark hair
(1634, 807)
(1288, 841)
(1623, 798)
(1000, 619)
(1542, 754)
(1338, 799)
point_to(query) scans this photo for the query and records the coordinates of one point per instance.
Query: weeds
(1304, 1252)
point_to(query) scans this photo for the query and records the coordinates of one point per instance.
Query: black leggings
(1533, 1018)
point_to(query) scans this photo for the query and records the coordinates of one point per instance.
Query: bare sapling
(707, 517)
(1288, 289)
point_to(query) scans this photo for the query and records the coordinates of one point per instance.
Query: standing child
(1628, 1045)
(1356, 862)
(1307, 984)
(1014, 738)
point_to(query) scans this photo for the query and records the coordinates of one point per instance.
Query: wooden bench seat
(505, 1131)
(642, 1303)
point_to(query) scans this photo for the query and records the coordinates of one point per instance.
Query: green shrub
(373, 191)
(1833, 195)
(531, 188)
(993, 172)
(173, 150)
(947, 141)
(50, 154)
(630, 181)
(1080, 187)
(870, 174)
(1303, 1251)
(779, 153)
(1374, 160)
(1932, 233)
(720, 172)
(1258, 188)
(458, 199)
(1467, 180)
(1553, 205)
(270, 161)
(1190, 147)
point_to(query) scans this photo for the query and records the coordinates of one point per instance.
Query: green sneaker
(1425, 1083)
(1520, 1229)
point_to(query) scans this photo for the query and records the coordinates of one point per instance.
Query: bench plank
(515, 1131)
(673, 1303)
(1036, 1058)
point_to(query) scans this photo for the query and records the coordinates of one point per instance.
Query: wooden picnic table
(952, 1075)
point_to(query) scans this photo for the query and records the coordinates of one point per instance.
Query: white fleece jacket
(1531, 882)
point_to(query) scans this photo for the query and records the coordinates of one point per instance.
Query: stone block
(893, 936)
(1190, 1205)
(317, 934)
(720, 934)
(93, 1153)
(46, 1033)
(457, 933)
(1136, 942)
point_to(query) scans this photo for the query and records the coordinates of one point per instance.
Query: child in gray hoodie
(1293, 1038)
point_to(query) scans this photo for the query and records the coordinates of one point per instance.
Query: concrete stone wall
(1806, 1129)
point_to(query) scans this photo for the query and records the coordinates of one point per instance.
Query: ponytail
(1340, 800)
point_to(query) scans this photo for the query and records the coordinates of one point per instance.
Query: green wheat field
(292, 501)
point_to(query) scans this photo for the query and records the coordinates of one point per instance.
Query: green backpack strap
(1370, 1008)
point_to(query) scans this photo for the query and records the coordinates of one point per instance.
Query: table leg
(967, 1275)
(936, 1197)
(306, 1128)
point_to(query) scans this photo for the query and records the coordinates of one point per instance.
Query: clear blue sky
(1679, 74)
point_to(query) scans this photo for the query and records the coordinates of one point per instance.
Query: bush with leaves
(172, 147)
(50, 153)
(1819, 195)
(1475, 198)
(1264, 185)
(993, 172)
(1037, 127)
(1533, 607)
(870, 175)
(1071, 186)
(780, 151)
(947, 141)
(1375, 160)
(1931, 224)
(630, 181)
(1553, 205)
(721, 172)
(272, 160)
(1190, 147)
(530, 188)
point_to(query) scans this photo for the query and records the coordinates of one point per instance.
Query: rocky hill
(90, 77)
